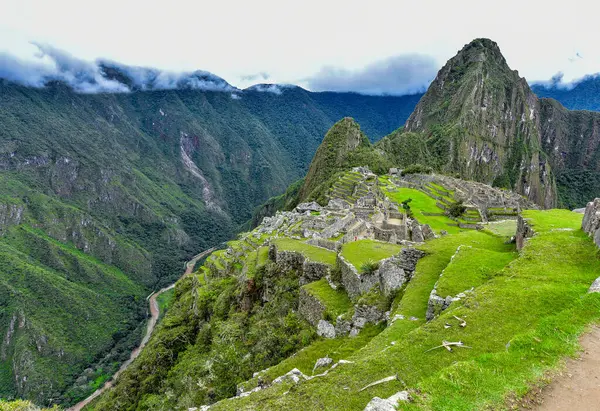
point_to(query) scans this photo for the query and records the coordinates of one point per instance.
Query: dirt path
(154, 314)
(578, 386)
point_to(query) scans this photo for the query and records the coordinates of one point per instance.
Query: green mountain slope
(104, 196)
(479, 119)
(482, 121)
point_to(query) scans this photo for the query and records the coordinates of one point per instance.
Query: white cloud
(290, 41)
(405, 74)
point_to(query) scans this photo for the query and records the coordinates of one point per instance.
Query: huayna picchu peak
(152, 258)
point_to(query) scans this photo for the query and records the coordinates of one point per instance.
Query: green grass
(336, 302)
(505, 228)
(165, 300)
(547, 220)
(422, 203)
(313, 253)
(439, 252)
(471, 267)
(362, 251)
(519, 324)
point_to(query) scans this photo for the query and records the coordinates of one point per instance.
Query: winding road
(154, 314)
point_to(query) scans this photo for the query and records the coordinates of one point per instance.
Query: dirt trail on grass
(154, 314)
(578, 386)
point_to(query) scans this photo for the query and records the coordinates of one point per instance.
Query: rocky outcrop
(10, 214)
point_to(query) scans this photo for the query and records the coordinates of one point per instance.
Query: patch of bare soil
(577, 387)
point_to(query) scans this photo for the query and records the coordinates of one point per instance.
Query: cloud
(262, 76)
(557, 81)
(398, 75)
(268, 88)
(101, 76)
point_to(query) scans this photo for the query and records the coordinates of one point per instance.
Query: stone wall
(524, 231)
(391, 275)
(591, 220)
(324, 243)
(355, 283)
(310, 308)
(308, 270)
(339, 226)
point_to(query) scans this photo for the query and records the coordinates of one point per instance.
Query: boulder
(417, 233)
(388, 404)
(595, 287)
(325, 329)
(391, 276)
(322, 362)
(428, 233)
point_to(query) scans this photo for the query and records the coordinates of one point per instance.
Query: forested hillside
(104, 196)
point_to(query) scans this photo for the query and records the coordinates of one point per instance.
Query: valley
(376, 252)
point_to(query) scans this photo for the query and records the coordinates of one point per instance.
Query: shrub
(369, 267)
(457, 209)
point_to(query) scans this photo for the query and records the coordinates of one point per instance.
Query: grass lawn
(313, 253)
(421, 203)
(520, 324)
(471, 267)
(336, 302)
(362, 251)
(505, 228)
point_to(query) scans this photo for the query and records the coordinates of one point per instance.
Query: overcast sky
(372, 47)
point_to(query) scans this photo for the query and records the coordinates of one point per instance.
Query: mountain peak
(343, 138)
(479, 106)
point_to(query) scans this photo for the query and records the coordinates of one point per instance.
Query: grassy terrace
(422, 203)
(362, 251)
(506, 228)
(336, 302)
(472, 267)
(520, 323)
(313, 253)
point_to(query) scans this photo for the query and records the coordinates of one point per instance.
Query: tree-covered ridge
(104, 196)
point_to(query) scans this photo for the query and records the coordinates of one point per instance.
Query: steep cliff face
(482, 119)
(571, 140)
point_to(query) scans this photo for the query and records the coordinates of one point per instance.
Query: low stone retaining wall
(310, 308)
(308, 270)
(591, 220)
(524, 231)
(391, 275)
(355, 283)
(324, 243)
